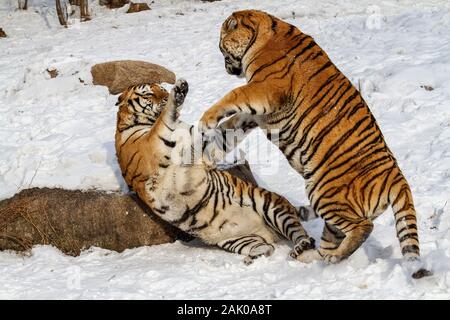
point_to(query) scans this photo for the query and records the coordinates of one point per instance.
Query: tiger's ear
(121, 97)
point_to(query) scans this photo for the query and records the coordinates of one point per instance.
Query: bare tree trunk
(62, 13)
(84, 10)
(22, 4)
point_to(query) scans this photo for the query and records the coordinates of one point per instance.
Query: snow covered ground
(60, 132)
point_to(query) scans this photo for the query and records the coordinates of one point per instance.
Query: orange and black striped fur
(325, 128)
(207, 203)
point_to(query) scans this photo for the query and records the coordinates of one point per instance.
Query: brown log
(75, 220)
(119, 75)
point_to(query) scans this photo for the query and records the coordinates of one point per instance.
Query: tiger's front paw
(180, 90)
(208, 121)
(304, 244)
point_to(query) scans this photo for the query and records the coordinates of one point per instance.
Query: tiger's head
(241, 34)
(142, 103)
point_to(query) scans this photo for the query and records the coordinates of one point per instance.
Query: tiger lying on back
(210, 204)
(325, 128)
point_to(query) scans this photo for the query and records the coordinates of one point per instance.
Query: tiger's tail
(406, 226)
(405, 219)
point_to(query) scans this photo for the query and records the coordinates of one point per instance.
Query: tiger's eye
(231, 24)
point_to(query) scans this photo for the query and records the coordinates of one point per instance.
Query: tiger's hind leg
(253, 246)
(331, 237)
(339, 243)
(283, 218)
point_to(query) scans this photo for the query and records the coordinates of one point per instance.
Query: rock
(137, 7)
(427, 88)
(119, 75)
(2, 33)
(53, 72)
(113, 4)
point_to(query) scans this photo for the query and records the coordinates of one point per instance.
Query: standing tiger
(325, 130)
(207, 203)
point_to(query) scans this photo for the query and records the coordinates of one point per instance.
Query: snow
(60, 132)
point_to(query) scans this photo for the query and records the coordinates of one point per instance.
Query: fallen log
(76, 220)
